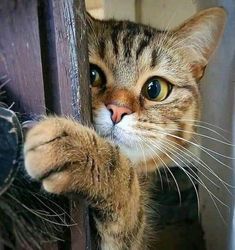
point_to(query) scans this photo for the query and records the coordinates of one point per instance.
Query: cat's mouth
(120, 133)
(118, 136)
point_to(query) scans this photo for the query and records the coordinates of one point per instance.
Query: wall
(218, 109)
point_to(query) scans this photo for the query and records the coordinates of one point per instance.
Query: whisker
(188, 174)
(35, 213)
(212, 195)
(202, 135)
(191, 162)
(145, 162)
(200, 162)
(176, 183)
(204, 149)
(159, 172)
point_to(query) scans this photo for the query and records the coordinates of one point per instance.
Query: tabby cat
(144, 90)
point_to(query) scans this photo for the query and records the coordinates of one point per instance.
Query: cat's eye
(156, 89)
(97, 77)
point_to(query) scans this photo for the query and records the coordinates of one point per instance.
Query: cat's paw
(49, 153)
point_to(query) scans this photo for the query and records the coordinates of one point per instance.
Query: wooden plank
(64, 55)
(20, 57)
(66, 71)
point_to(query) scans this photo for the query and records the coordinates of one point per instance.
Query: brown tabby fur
(107, 165)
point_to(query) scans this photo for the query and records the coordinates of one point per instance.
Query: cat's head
(145, 93)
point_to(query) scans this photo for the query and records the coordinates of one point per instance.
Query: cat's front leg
(70, 158)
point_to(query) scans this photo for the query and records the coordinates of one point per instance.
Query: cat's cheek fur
(125, 135)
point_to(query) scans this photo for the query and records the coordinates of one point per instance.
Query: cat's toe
(43, 147)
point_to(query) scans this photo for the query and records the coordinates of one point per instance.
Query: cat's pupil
(93, 75)
(153, 89)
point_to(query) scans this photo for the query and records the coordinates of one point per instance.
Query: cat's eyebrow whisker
(164, 40)
(176, 183)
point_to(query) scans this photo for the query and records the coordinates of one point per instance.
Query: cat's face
(145, 94)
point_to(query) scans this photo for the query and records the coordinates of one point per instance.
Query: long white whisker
(145, 162)
(204, 149)
(200, 182)
(204, 136)
(182, 151)
(201, 163)
(188, 174)
(177, 186)
(38, 215)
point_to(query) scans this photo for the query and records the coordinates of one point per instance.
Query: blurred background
(217, 219)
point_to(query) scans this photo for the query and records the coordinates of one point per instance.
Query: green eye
(156, 89)
(97, 77)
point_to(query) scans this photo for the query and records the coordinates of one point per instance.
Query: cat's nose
(118, 112)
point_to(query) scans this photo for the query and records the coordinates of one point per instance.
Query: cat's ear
(92, 23)
(89, 19)
(199, 36)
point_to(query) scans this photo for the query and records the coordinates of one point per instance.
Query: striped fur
(107, 165)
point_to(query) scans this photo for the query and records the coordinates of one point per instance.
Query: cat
(145, 89)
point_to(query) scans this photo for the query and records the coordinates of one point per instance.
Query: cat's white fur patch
(125, 135)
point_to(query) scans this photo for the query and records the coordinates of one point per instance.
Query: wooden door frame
(44, 55)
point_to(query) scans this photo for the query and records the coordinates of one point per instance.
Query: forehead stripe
(101, 48)
(144, 43)
(114, 36)
(153, 58)
(131, 32)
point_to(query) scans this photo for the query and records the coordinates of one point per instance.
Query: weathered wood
(48, 52)
(66, 76)
(64, 53)
(20, 57)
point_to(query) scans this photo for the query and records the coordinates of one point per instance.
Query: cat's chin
(136, 154)
(125, 136)
(133, 154)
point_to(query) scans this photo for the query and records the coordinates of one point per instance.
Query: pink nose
(117, 112)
